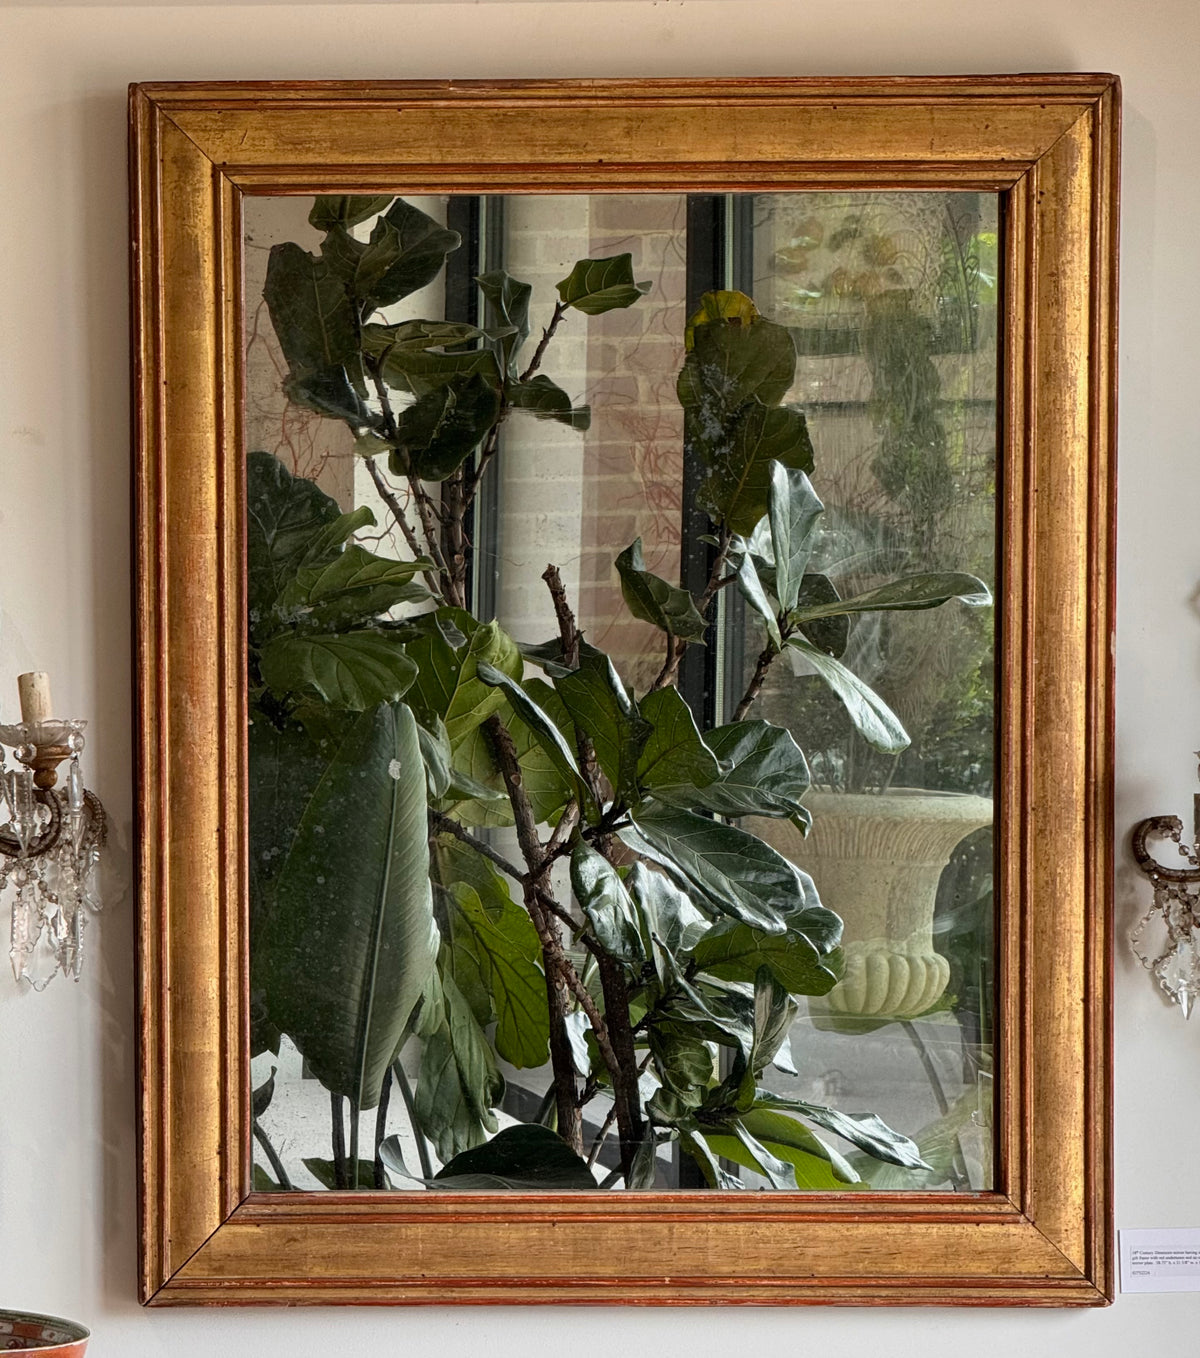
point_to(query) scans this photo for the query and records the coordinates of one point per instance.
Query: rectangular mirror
(619, 643)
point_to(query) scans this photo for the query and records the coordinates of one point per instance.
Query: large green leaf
(330, 392)
(459, 1085)
(816, 1167)
(435, 751)
(407, 250)
(601, 707)
(738, 368)
(872, 717)
(421, 369)
(285, 517)
(350, 942)
(734, 355)
(909, 593)
(508, 303)
(828, 631)
(493, 940)
(668, 921)
(547, 733)
(735, 873)
(416, 336)
(285, 765)
(735, 952)
(795, 512)
(938, 1143)
(780, 1173)
(524, 1158)
(341, 252)
(602, 897)
(313, 314)
(346, 210)
(651, 598)
(350, 670)
(764, 772)
(674, 756)
(715, 1012)
(437, 434)
(774, 1014)
(736, 490)
(545, 786)
(695, 1143)
(751, 586)
(595, 286)
(447, 684)
(864, 1130)
(683, 1061)
(547, 400)
(355, 586)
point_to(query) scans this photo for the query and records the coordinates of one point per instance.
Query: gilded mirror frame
(1048, 144)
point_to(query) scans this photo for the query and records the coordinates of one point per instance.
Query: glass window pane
(891, 300)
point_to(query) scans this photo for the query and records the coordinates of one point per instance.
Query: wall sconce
(50, 838)
(1177, 901)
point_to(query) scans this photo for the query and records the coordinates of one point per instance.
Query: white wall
(66, 1057)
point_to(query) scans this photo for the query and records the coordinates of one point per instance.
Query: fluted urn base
(876, 860)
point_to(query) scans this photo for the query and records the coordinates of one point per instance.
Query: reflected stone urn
(876, 860)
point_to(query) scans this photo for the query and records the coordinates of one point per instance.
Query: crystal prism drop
(1178, 971)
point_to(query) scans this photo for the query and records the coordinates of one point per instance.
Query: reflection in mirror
(532, 879)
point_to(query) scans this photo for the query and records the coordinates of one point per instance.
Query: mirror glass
(782, 405)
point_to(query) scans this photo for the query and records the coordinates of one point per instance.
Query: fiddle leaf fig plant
(635, 945)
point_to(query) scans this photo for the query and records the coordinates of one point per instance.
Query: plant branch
(607, 1125)
(431, 527)
(616, 1042)
(570, 1118)
(560, 310)
(411, 1108)
(549, 904)
(471, 482)
(454, 537)
(446, 824)
(491, 446)
(717, 581)
(339, 1141)
(381, 1112)
(594, 1017)
(715, 576)
(765, 660)
(670, 666)
(272, 1154)
(505, 753)
(355, 1120)
(560, 841)
(388, 496)
(390, 428)
(626, 1096)
(421, 499)
(568, 631)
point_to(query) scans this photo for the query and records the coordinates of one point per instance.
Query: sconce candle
(50, 838)
(34, 690)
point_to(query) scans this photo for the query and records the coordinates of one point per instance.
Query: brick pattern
(580, 501)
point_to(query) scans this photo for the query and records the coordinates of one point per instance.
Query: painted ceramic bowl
(21, 1332)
